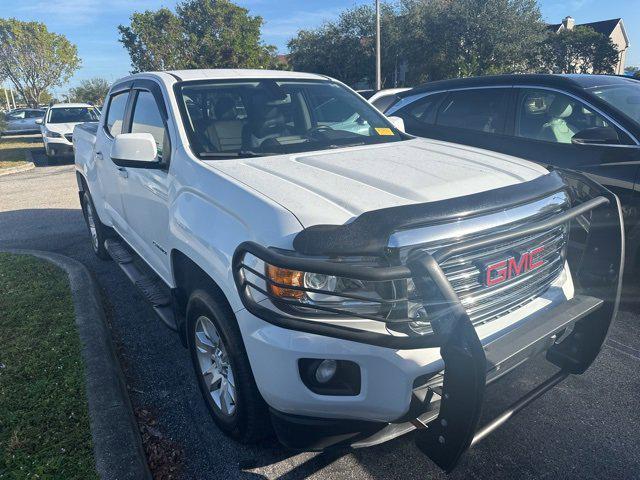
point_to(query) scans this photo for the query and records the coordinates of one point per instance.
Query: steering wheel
(319, 129)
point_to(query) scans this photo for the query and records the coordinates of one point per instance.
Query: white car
(333, 278)
(58, 124)
(383, 99)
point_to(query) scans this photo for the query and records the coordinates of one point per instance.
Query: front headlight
(317, 293)
(50, 134)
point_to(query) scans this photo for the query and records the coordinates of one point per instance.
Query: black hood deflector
(369, 233)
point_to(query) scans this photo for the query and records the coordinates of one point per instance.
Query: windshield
(269, 117)
(72, 115)
(625, 98)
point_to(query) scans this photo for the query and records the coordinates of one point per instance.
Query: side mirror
(397, 122)
(596, 136)
(135, 150)
(38, 121)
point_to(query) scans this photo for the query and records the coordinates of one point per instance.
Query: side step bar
(148, 284)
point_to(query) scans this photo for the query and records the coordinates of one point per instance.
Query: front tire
(223, 370)
(97, 230)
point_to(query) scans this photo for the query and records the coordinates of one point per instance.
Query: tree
(345, 48)
(579, 50)
(457, 38)
(201, 34)
(436, 39)
(91, 91)
(35, 59)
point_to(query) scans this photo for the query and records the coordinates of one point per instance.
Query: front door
(145, 193)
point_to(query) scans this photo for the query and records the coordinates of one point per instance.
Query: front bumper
(468, 361)
(58, 146)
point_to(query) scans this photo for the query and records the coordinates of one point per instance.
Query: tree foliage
(35, 59)
(200, 34)
(579, 50)
(91, 91)
(345, 49)
(437, 39)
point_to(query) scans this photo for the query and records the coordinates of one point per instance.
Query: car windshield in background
(72, 115)
(625, 98)
(255, 118)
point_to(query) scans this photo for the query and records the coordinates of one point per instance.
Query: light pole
(378, 61)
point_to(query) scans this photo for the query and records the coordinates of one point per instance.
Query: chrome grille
(465, 272)
(484, 303)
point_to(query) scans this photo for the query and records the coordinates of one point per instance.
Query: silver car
(23, 120)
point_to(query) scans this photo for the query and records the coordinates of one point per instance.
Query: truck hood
(62, 127)
(336, 186)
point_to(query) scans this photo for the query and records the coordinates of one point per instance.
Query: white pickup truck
(335, 279)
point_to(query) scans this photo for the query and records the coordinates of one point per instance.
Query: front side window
(624, 97)
(147, 119)
(228, 119)
(553, 116)
(72, 115)
(482, 109)
(115, 115)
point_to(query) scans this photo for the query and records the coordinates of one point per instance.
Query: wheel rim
(215, 368)
(92, 226)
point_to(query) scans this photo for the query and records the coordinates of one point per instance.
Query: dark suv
(589, 123)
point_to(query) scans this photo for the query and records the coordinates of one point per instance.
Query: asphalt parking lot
(587, 427)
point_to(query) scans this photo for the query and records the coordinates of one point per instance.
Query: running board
(149, 285)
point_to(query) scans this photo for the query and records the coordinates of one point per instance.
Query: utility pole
(378, 61)
(13, 99)
(6, 96)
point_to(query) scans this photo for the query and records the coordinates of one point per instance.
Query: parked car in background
(59, 122)
(23, 120)
(383, 99)
(366, 93)
(335, 279)
(589, 123)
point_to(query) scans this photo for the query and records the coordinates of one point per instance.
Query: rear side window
(115, 115)
(384, 102)
(147, 119)
(480, 109)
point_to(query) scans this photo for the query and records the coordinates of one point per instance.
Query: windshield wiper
(241, 154)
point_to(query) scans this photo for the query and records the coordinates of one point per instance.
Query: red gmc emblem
(504, 270)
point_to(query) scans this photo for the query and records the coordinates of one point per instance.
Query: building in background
(614, 29)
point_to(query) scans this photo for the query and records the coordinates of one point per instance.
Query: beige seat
(557, 129)
(225, 132)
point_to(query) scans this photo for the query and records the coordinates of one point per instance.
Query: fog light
(326, 370)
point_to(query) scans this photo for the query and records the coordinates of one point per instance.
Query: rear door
(474, 116)
(109, 175)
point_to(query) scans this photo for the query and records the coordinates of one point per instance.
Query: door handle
(98, 155)
(123, 172)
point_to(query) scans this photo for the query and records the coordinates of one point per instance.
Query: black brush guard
(596, 264)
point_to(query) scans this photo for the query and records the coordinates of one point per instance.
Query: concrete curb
(117, 444)
(21, 168)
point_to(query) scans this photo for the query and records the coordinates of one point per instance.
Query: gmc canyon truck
(336, 280)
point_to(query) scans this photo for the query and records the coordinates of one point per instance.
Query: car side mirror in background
(135, 150)
(596, 136)
(38, 121)
(397, 122)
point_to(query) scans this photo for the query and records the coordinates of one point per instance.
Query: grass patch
(12, 149)
(44, 421)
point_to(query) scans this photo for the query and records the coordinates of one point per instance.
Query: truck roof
(70, 105)
(226, 73)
